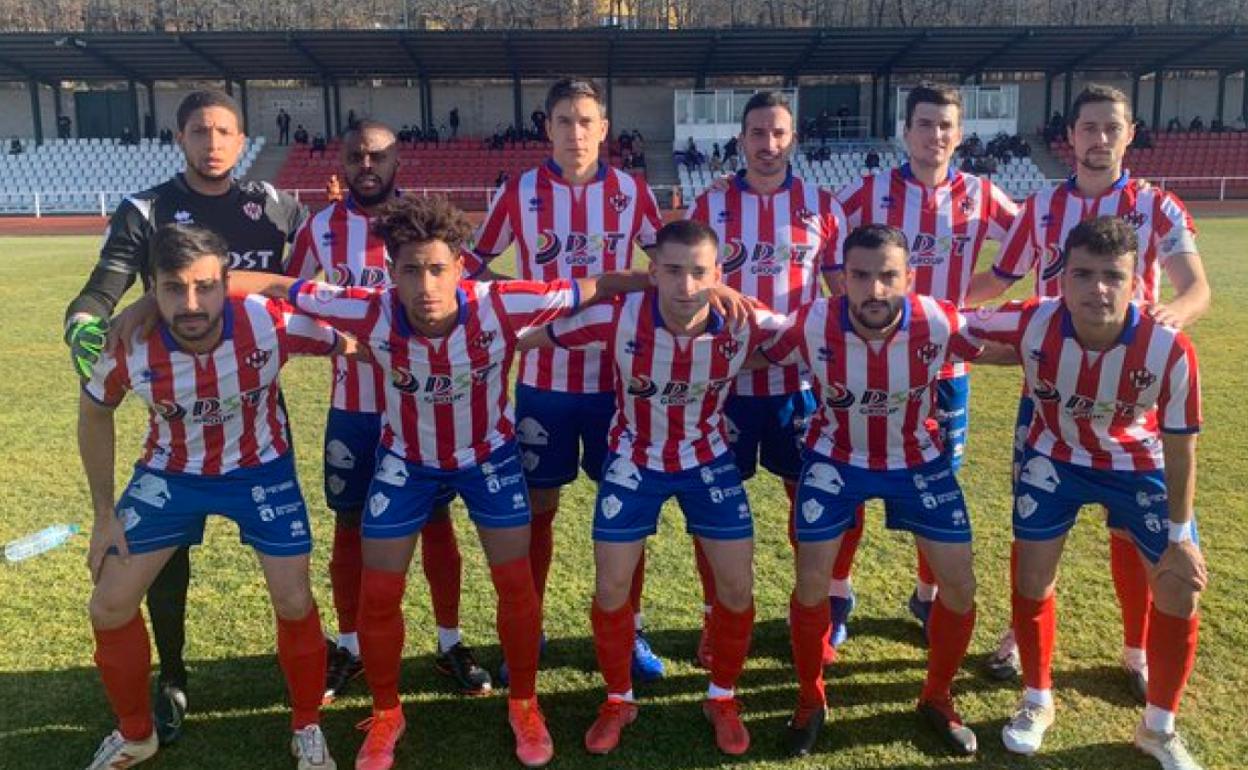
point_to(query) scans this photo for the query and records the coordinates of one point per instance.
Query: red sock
(808, 634)
(1171, 655)
(519, 624)
(849, 546)
(613, 643)
(381, 633)
(124, 658)
(301, 653)
(639, 582)
(345, 564)
(924, 570)
(730, 643)
(1131, 585)
(705, 575)
(439, 556)
(541, 548)
(949, 636)
(1035, 631)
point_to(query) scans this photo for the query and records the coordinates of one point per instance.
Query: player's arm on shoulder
(121, 258)
(244, 282)
(591, 328)
(988, 285)
(97, 448)
(1192, 294)
(600, 288)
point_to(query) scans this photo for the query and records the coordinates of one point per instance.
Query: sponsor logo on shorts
(150, 489)
(720, 494)
(1145, 500)
(130, 518)
(529, 460)
(623, 472)
(338, 455)
(959, 518)
(519, 501)
(811, 511)
(298, 530)
(392, 471)
(743, 510)
(611, 507)
(377, 504)
(532, 432)
(496, 484)
(825, 478)
(1040, 473)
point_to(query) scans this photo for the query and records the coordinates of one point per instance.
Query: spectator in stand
(968, 165)
(717, 159)
(15, 146)
(318, 146)
(1056, 129)
(1019, 147)
(127, 136)
(1240, 125)
(1216, 126)
(64, 127)
(1174, 126)
(166, 136)
(625, 141)
(283, 127)
(626, 160)
(872, 159)
(730, 154)
(352, 120)
(539, 123)
(1143, 137)
(1196, 126)
(432, 135)
(301, 134)
(453, 121)
(405, 134)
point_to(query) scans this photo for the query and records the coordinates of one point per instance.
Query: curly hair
(422, 219)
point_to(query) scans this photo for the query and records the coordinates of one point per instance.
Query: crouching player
(217, 442)
(674, 358)
(1117, 408)
(875, 354)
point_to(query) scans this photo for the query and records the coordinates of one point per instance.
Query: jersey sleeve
(495, 233)
(1178, 404)
(527, 304)
(303, 262)
(353, 310)
(301, 335)
(591, 327)
(649, 222)
(785, 346)
(1003, 324)
(700, 211)
(852, 198)
(835, 229)
(109, 381)
(122, 259)
(1001, 213)
(1176, 232)
(1019, 250)
(765, 324)
(287, 212)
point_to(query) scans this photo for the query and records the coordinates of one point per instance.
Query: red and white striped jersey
(215, 412)
(447, 399)
(1101, 409)
(567, 231)
(876, 397)
(774, 248)
(669, 389)
(946, 226)
(338, 242)
(1037, 240)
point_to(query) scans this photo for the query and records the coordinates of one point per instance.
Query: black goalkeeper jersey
(256, 220)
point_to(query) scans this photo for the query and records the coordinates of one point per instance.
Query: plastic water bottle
(38, 542)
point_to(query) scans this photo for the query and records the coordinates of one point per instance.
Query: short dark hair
(762, 100)
(575, 88)
(939, 94)
(422, 219)
(1104, 236)
(686, 232)
(367, 124)
(875, 236)
(1094, 93)
(198, 100)
(175, 246)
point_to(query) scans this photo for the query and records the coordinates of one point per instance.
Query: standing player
(446, 345)
(256, 222)
(572, 217)
(946, 216)
(1115, 398)
(217, 443)
(1099, 130)
(777, 235)
(339, 243)
(875, 354)
(674, 361)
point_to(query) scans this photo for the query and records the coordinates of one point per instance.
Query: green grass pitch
(54, 712)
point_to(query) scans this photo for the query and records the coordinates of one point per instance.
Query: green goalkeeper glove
(85, 337)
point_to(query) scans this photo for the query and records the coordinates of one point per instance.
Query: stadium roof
(698, 54)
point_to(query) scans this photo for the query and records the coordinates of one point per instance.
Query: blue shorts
(351, 458)
(952, 402)
(630, 499)
(555, 429)
(402, 494)
(1049, 493)
(1022, 427)
(160, 509)
(770, 429)
(925, 500)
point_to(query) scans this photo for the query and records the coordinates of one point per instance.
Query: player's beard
(1101, 161)
(209, 328)
(385, 191)
(875, 323)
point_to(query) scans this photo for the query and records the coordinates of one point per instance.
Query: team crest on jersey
(728, 348)
(253, 210)
(968, 205)
(927, 353)
(1142, 378)
(1134, 218)
(619, 202)
(183, 217)
(256, 359)
(482, 341)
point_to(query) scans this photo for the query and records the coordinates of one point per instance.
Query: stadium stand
(69, 175)
(1173, 156)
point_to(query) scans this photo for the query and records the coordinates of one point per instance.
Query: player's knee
(293, 603)
(958, 592)
(108, 610)
(1033, 583)
(1175, 597)
(611, 592)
